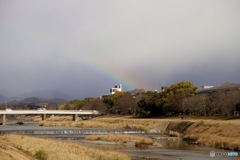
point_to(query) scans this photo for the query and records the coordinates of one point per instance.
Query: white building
(117, 88)
(207, 87)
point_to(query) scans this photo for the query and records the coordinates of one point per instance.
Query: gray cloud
(68, 45)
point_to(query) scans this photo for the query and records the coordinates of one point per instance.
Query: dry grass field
(16, 147)
(104, 122)
(122, 139)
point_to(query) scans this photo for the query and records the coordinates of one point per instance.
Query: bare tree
(96, 104)
(126, 105)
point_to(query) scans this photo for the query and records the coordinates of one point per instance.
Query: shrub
(41, 155)
(174, 134)
(143, 144)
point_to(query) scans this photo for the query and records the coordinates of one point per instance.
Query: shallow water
(170, 150)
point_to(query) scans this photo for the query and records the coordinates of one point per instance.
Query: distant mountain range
(46, 94)
(38, 102)
(50, 97)
(34, 102)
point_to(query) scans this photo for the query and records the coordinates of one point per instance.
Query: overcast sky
(83, 47)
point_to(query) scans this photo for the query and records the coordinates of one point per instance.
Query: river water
(167, 150)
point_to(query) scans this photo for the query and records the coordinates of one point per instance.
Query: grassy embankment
(209, 131)
(214, 133)
(16, 147)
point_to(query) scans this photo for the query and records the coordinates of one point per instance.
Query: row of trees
(118, 103)
(167, 102)
(218, 102)
(179, 98)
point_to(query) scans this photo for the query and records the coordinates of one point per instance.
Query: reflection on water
(170, 150)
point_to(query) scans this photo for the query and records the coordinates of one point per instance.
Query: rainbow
(114, 77)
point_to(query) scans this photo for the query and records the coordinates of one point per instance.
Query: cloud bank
(82, 48)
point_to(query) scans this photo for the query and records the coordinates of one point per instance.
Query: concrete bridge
(44, 113)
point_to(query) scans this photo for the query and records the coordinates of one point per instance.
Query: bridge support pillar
(75, 117)
(4, 119)
(44, 116)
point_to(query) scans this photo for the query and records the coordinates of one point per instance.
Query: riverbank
(223, 134)
(209, 131)
(28, 148)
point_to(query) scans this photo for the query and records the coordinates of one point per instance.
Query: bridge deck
(66, 112)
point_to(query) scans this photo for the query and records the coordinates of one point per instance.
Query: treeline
(181, 98)
(221, 101)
